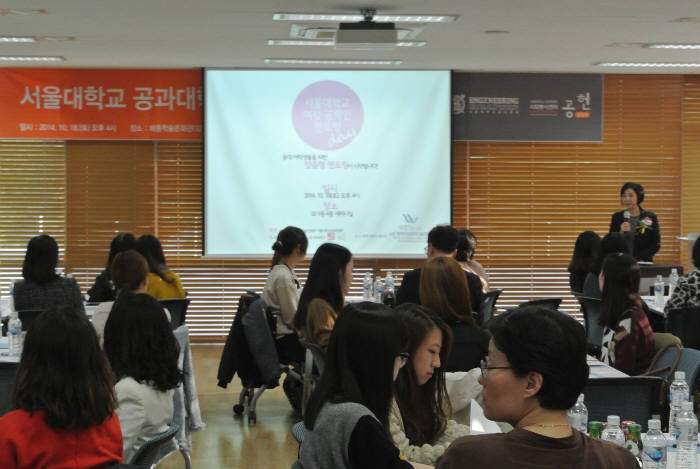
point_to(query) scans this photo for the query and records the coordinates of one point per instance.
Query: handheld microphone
(626, 214)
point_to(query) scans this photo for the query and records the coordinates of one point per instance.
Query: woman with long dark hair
(583, 258)
(444, 290)
(419, 421)
(611, 242)
(162, 283)
(104, 289)
(329, 280)
(143, 352)
(281, 291)
(42, 288)
(347, 417)
(628, 341)
(63, 398)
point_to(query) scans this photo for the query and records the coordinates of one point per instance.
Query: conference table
(598, 369)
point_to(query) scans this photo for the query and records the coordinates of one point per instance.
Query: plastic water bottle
(14, 335)
(654, 444)
(389, 282)
(678, 393)
(613, 433)
(687, 439)
(672, 281)
(578, 415)
(367, 287)
(378, 289)
(659, 291)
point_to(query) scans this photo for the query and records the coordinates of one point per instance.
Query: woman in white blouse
(143, 352)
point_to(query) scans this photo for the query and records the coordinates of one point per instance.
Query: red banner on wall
(101, 104)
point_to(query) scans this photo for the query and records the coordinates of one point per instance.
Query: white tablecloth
(599, 369)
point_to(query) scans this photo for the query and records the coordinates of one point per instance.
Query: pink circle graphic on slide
(327, 115)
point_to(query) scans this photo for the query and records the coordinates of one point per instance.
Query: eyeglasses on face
(483, 364)
(404, 358)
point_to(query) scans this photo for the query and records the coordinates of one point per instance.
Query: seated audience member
(42, 288)
(104, 289)
(612, 242)
(64, 399)
(443, 290)
(347, 417)
(329, 280)
(418, 420)
(535, 371)
(628, 341)
(129, 274)
(585, 252)
(466, 247)
(281, 291)
(163, 284)
(687, 293)
(442, 242)
(143, 352)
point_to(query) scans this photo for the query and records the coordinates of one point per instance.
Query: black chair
(7, 384)
(148, 453)
(632, 398)
(684, 323)
(313, 368)
(550, 303)
(27, 316)
(487, 305)
(178, 309)
(591, 312)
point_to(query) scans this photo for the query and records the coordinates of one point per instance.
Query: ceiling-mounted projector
(366, 35)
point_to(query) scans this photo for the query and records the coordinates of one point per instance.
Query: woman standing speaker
(639, 227)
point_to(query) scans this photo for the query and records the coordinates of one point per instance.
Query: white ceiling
(545, 35)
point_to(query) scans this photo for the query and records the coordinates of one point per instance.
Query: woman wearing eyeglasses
(347, 417)
(534, 372)
(418, 419)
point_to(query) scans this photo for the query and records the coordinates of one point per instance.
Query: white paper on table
(479, 424)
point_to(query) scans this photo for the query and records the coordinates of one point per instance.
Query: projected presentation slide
(358, 158)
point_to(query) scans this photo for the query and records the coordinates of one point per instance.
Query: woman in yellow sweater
(329, 279)
(162, 283)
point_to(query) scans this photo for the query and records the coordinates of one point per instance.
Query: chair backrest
(178, 309)
(487, 305)
(684, 323)
(319, 355)
(632, 398)
(551, 303)
(591, 312)
(147, 454)
(689, 363)
(261, 343)
(27, 316)
(7, 384)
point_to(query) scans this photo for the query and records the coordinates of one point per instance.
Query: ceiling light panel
(30, 58)
(647, 64)
(18, 39)
(332, 62)
(349, 18)
(673, 46)
(300, 42)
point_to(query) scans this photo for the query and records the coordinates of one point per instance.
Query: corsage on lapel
(645, 224)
